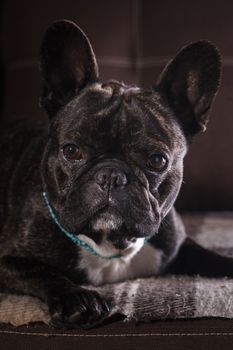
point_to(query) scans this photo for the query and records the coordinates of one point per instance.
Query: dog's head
(113, 163)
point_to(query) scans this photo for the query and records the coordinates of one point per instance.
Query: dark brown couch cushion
(162, 335)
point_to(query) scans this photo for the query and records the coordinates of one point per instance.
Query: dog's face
(113, 163)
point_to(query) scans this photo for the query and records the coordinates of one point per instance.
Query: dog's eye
(71, 152)
(157, 162)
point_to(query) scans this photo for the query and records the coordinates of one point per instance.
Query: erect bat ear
(67, 64)
(189, 84)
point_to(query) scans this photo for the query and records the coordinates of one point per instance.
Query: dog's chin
(107, 250)
(107, 235)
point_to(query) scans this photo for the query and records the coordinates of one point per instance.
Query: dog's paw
(80, 308)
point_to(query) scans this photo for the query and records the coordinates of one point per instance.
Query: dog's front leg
(69, 304)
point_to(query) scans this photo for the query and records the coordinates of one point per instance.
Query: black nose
(111, 177)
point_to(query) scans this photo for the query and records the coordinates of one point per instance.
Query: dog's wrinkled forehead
(113, 113)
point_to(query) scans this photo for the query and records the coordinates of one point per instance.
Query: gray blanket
(157, 297)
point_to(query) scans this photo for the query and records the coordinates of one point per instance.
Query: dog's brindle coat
(111, 165)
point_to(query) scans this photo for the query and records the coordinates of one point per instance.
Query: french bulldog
(89, 199)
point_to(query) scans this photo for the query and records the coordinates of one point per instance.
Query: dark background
(133, 40)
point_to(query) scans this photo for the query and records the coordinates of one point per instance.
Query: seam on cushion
(119, 335)
(120, 62)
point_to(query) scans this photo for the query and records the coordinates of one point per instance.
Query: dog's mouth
(106, 220)
(107, 233)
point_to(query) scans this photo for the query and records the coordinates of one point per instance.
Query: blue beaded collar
(73, 237)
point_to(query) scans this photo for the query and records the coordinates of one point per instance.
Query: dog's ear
(189, 84)
(67, 64)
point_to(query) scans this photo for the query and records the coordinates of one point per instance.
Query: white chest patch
(141, 261)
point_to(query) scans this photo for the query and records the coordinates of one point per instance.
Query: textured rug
(154, 298)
